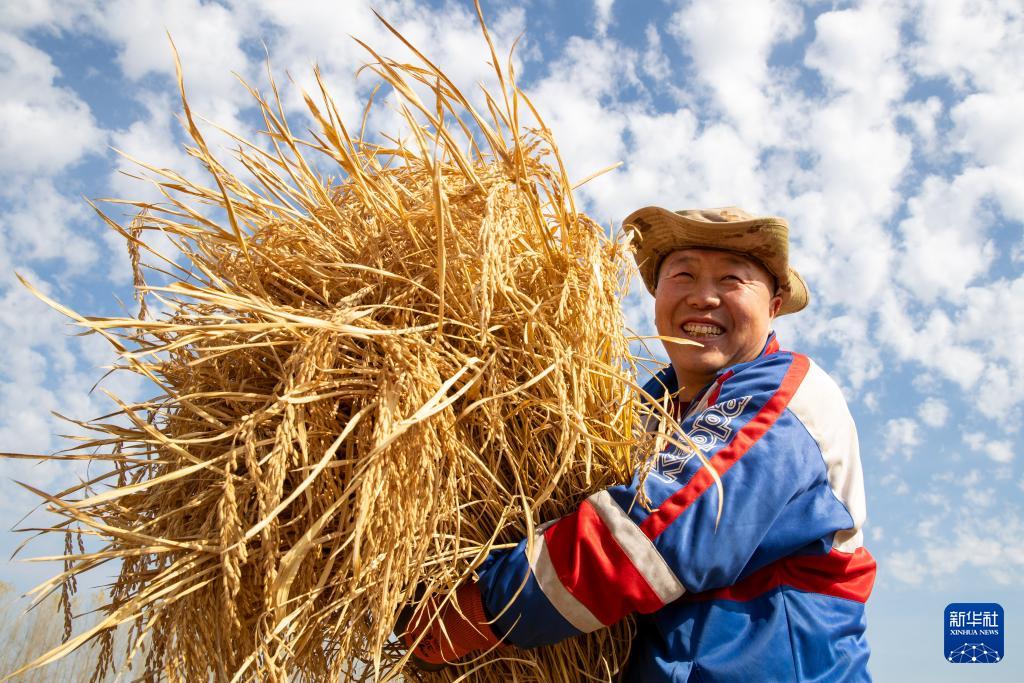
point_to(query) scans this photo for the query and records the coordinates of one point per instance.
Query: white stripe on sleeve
(640, 549)
(565, 602)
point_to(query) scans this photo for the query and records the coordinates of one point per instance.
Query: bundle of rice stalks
(366, 383)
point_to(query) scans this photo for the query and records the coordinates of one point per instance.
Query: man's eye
(731, 278)
(683, 274)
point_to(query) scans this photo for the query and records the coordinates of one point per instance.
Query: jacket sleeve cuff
(523, 615)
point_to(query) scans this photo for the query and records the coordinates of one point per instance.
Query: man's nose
(703, 295)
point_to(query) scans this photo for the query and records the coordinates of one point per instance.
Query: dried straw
(365, 385)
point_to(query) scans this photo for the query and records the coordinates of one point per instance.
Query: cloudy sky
(882, 130)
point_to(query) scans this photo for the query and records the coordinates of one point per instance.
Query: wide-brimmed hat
(657, 232)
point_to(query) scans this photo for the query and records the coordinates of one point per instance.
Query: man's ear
(774, 305)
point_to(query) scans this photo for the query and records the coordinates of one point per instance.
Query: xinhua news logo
(974, 633)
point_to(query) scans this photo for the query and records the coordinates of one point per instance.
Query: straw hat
(657, 232)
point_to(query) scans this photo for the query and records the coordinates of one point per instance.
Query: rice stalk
(364, 384)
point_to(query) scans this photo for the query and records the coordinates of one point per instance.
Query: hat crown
(725, 214)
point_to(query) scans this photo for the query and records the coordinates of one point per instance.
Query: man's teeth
(702, 330)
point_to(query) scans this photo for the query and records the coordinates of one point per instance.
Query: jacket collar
(667, 376)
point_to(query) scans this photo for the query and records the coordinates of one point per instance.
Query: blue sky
(886, 132)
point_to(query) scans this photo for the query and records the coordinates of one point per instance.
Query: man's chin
(697, 362)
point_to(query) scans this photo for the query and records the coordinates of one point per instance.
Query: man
(766, 583)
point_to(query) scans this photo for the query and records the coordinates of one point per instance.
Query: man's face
(718, 298)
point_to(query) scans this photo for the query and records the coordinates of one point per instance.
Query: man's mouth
(702, 330)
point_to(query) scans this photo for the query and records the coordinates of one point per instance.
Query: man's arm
(784, 492)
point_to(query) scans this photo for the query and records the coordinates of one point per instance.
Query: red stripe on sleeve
(842, 575)
(729, 455)
(595, 570)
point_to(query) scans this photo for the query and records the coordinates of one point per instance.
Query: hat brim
(657, 232)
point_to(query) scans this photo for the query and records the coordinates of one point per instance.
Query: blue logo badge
(974, 633)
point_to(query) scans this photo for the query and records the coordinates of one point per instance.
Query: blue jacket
(774, 592)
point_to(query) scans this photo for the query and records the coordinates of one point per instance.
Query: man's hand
(449, 637)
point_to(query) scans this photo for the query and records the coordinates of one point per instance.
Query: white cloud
(968, 544)
(37, 226)
(157, 141)
(670, 160)
(655, 62)
(730, 44)
(859, 163)
(973, 44)
(986, 132)
(935, 499)
(860, 362)
(947, 244)
(923, 115)
(933, 412)
(980, 499)
(1000, 450)
(843, 192)
(932, 343)
(898, 484)
(957, 536)
(321, 32)
(22, 15)
(43, 127)
(207, 37)
(992, 321)
(46, 370)
(966, 547)
(870, 400)
(659, 166)
(943, 248)
(856, 51)
(902, 436)
(573, 97)
(904, 566)
(602, 15)
(987, 129)
(49, 369)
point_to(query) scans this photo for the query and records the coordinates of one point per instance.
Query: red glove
(451, 636)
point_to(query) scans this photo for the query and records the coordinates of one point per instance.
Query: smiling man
(719, 299)
(765, 583)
